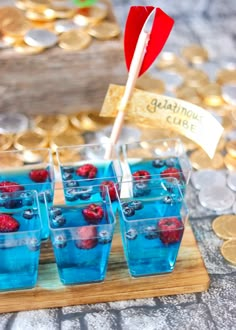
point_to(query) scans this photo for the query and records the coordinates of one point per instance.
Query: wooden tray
(190, 275)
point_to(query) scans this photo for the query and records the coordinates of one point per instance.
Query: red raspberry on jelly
(171, 230)
(39, 175)
(87, 171)
(111, 189)
(171, 172)
(87, 237)
(141, 175)
(93, 213)
(8, 187)
(8, 224)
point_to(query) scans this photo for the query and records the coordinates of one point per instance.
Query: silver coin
(13, 123)
(65, 25)
(204, 178)
(231, 181)
(216, 198)
(228, 63)
(229, 93)
(40, 38)
(234, 208)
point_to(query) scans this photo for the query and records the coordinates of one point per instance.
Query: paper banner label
(166, 113)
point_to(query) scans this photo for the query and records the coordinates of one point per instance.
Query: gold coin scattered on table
(37, 5)
(23, 48)
(230, 162)
(74, 40)
(195, 54)
(63, 13)
(30, 139)
(21, 4)
(67, 156)
(227, 122)
(9, 159)
(228, 251)
(6, 141)
(51, 124)
(231, 148)
(66, 139)
(47, 15)
(104, 30)
(221, 144)
(91, 15)
(200, 160)
(90, 121)
(148, 83)
(195, 78)
(9, 14)
(188, 93)
(224, 226)
(226, 76)
(211, 94)
(170, 61)
(16, 28)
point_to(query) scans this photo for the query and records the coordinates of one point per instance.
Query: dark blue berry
(85, 193)
(71, 195)
(124, 204)
(34, 244)
(58, 220)
(131, 234)
(60, 241)
(137, 205)
(72, 184)
(170, 162)
(48, 196)
(151, 232)
(167, 199)
(28, 214)
(67, 176)
(141, 189)
(104, 237)
(128, 211)
(55, 211)
(28, 199)
(158, 163)
(3, 198)
(68, 169)
(13, 203)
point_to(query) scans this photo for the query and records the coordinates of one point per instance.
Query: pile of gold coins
(33, 26)
(224, 227)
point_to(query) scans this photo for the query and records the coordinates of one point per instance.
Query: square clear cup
(152, 217)
(20, 239)
(29, 169)
(157, 158)
(81, 236)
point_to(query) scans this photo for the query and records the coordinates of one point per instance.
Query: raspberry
(171, 172)
(111, 189)
(8, 223)
(87, 237)
(171, 230)
(8, 187)
(93, 213)
(141, 175)
(87, 170)
(39, 175)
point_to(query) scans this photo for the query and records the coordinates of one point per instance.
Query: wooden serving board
(189, 276)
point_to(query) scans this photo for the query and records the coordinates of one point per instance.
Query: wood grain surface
(58, 81)
(190, 275)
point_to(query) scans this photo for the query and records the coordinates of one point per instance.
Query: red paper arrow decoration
(160, 31)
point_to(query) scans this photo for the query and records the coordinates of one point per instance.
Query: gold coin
(170, 61)
(195, 78)
(25, 49)
(66, 155)
(227, 122)
(228, 251)
(104, 30)
(224, 226)
(10, 159)
(91, 15)
(16, 28)
(230, 162)
(9, 14)
(188, 93)
(149, 133)
(226, 76)
(47, 15)
(6, 141)
(195, 54)
(37, 5)
(211, 94)
(74, 40)
(148, 83)
(221, 144)
(63, 12)
(51, 124)
(231, 148)
(21, 4)
(50, 26)
(66, 139)
(200, 160)
(29, 140)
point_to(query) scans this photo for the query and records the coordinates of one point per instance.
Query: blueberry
(128, 211)
(72, 184)
(168, 199)
(151, 232)
(49, 196)
(60, 241)
(55, 211)
(13, 203)
(41, 197)
(131, 234)
(71, 195)
(104, 237)
(28, 199)
(170, 162)
(68, 169)
(141, 189)
(124, 204)
(158, 163)
(137, 205)
(67, 176)
(28, 214)
(33, 244)
(3, 199)
(58, 220)
(84, 193)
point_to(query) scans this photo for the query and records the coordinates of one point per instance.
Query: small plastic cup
(81, 236)
(152, 217)
(20, 238)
